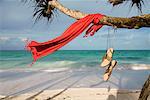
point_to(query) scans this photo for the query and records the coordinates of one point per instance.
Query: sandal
(107, 58)
(109, 70)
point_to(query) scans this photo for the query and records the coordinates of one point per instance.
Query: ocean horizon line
(89, 50)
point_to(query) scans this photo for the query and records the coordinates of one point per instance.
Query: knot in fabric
(95, 27)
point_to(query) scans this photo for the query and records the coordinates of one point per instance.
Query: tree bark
(135, 22)
(145, 90)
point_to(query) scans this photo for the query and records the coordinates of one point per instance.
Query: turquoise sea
(71, 58)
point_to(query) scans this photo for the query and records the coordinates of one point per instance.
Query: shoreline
(57, 69)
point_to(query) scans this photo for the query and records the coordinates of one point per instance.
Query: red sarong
(43, 49)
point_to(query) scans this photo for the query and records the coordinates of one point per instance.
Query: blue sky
(17, 25)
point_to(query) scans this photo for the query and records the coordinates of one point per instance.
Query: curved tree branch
(118, 22)
(72, 13)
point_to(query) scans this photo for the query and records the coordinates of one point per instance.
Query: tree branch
(117, 22)
(135, 22)
(72, 13)
(145, 90)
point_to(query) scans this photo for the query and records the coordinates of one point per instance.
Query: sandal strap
(108, 70)
(106, 57)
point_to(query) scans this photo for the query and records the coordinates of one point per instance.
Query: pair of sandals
(107, 61)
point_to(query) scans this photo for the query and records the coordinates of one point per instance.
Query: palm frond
(138, 3)
(115, 2)
(42, 10)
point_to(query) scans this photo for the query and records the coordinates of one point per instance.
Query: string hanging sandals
(107, 58)
(107, 61)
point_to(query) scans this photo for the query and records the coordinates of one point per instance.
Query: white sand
(82, 94)
(82, 84)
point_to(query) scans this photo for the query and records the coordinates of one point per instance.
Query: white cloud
(12, 43)
(4, 38)
(23, 39)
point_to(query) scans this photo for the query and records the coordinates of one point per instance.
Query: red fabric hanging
(43, 49)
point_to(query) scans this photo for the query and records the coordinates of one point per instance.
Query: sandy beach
(71, 84)
(79, 94)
